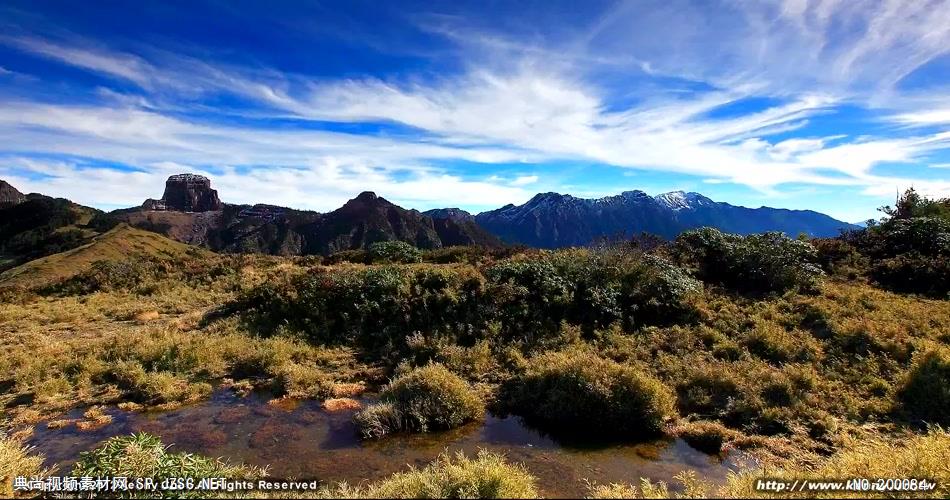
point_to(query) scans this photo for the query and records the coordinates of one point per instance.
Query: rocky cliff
(9, 195)
(190, 212)
(186, 193)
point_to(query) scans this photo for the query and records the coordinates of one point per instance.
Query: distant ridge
(552, 220)
(190, 212)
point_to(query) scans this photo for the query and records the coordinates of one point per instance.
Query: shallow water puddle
(304, 441)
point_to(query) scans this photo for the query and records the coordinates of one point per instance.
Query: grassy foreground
(489, 475)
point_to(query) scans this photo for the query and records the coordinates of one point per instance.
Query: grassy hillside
(119, 243)
(41, 226)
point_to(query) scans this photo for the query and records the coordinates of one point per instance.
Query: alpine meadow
(326, 250)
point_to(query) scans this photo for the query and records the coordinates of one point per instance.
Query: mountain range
(552, 220)
(190, 212)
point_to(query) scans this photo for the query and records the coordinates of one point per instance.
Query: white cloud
(524, 180)
(123, 66)
(933, 117)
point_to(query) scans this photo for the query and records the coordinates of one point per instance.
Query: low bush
(351, 256)
(424, 399)
(925, 394)
(581, 392)
(393, 252)
(108, 275)
(758, 263)
(470, 254)
(376, 307)
(488, 475)
(913, 272)
(909, 251)
(840, 257)
(534, 294)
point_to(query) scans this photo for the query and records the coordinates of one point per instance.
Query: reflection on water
(304, 441)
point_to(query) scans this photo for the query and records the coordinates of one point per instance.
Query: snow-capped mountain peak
(678, 200)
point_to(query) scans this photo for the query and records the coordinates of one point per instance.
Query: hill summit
(186, 193)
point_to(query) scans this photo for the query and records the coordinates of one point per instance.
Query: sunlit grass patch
(487, 475)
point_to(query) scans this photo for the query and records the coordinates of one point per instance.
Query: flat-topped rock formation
(186, 193)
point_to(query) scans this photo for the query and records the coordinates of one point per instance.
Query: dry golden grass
(17, 459)
(341, 404)
(119, 243)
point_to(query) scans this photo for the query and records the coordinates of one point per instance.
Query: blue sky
(829, 105)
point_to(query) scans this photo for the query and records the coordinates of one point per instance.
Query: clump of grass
(16, 459)
(488, 475)
(925, 394)
(590, 395)
(378, 419)
(422, 400)
(156, 387)
(95, 417)
(706, 436)
(144, 456)
(304, 382)
(690, 486)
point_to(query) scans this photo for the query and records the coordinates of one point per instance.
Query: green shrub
(925, 394)
(758, 263)
(377, 306)
(425, 399)
(108, 275)
(909, 251)
(144, 456)
(351, 256)
(486, 476)
(393, 252)
(579, 391)
(839, 256)
(913, 272)
(709, 391)
(659, 291)
(470, 254)
(534, 294)
(530, 294)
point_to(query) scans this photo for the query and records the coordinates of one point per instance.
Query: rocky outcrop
(186, 193)
(9, 195)
(367, 219)
(455, 214)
